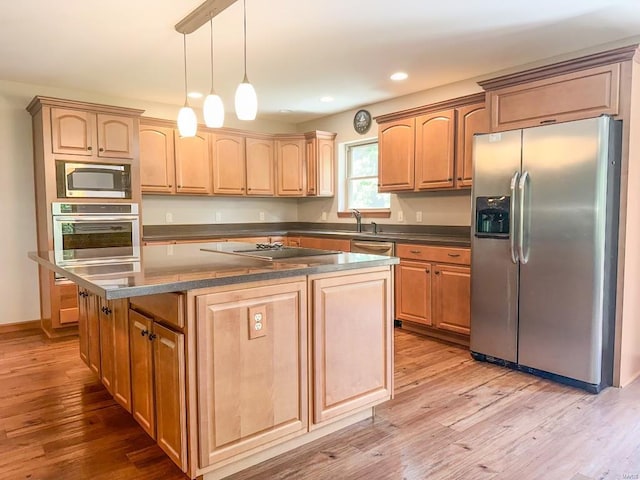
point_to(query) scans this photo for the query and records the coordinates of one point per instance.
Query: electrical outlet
(262, 216)
(324, 216)
(218, 217)
(169, 249)
(169, 217)
(400, 216)
(418, 216)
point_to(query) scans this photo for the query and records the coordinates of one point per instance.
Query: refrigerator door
(494, 274)
(563, 244)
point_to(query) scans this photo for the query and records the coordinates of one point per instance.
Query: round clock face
(362, 121)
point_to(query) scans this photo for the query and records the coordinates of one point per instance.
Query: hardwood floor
(452, 418)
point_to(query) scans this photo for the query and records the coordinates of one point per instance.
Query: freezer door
(494, 275)
(561, 275)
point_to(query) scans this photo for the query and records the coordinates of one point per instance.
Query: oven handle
(58, 218)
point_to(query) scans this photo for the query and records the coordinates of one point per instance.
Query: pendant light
(213, 109)
(246, 98)
(187, 120)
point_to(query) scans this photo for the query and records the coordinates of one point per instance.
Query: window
(362, 178)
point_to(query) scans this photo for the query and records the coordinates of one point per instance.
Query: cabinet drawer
(166, 307)
(572, 96)
(461, 256)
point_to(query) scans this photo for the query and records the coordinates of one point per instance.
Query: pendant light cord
(186, 90)
(211, 31)
(244, 15)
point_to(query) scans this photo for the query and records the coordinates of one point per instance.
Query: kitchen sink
(284, 252)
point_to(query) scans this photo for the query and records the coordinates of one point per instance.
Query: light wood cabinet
(435, 150)
(430, 147)
(93, 328)
(396, 147)
(229, 170)
(77, 132)
(471, 119)
(157, 159)
(83, 325)
(325, 243)
(67, 299)
(537, 99)
(320, 162)
(114, 350)
(352, 337)
(159, 384)
(290, 168)
(260, 166)
(252, 368)
(193, 164)
(433, 290)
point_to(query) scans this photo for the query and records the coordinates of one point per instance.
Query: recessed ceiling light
(194, 95)
(326, 99)
(399, 76)
(285, 110)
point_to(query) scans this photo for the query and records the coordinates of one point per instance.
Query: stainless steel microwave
(93, 180)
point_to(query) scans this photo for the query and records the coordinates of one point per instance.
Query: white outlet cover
(324, 215)
(401, 216)
(262, 216)
(169, 217)
(218, 216)
(418, 216)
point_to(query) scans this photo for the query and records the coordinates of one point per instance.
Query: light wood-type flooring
(452, 418)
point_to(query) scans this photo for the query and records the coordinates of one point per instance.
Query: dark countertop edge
(181, 286)
(383, 236)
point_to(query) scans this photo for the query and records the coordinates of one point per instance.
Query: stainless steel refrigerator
(543, 258)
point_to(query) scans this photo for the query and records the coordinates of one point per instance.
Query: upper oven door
(75, 238)
(92, 180)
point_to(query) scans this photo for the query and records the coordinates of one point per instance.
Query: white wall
(19, 299)
(438, 208)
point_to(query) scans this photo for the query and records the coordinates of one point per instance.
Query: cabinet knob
(144, 332)
(459, 179)
(437, 272)
(248, 189)
(101, 149)
(299, 189)
(169, 185)
(152, 337)
(450, 180)
(89, 148)
(106, 310)
(428, 271)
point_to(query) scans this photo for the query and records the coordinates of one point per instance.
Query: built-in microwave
(93, 180)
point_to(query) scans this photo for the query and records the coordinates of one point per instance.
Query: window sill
(379, 213)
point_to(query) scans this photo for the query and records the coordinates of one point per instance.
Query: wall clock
(362, 121)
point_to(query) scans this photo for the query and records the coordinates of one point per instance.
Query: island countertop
(175, 268)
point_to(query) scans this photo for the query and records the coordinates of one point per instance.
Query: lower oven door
(83, 238)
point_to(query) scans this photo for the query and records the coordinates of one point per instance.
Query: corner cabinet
(252, 368)
(429, 148)
(433, 291)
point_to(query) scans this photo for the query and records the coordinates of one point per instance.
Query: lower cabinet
(114, 349)
(433, 289)
(352, 337)
(158, 384)
(251, 369)
(89, 330)
(325, 243)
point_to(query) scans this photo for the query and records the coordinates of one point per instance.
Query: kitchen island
(227, 358)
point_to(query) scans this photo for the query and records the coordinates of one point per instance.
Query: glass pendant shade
(187, 122)
(213, 111)
(246, 101)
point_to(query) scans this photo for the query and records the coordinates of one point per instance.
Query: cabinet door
(435, 150)
(260, 163)
(413, 292)
(352, 338)
(452, 298)
(311, 145)
(114, 342)
(325, 162)
(471, 119)
(193, 164)
(229, 175)
(252, 368)
(72, 131)
(93, 327)
(115, 136)
(396, 147)
(83, 325)
(67, 304)
(157, 160)
(142, 404)
(170, 393)
(325, 243)
(290, 155)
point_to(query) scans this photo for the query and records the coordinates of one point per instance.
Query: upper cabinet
(78, 132)
(228, 156)
(157, 160)
(260, 166)
(193, 164)
(320, 156)
(290, 168)
(429, 148)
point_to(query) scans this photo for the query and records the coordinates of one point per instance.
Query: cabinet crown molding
(432, 107)
(39, 101)
(607, 57)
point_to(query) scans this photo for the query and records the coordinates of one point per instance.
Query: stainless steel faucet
(356, 213)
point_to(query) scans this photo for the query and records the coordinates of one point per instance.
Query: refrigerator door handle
(512, 219)
(521, 198)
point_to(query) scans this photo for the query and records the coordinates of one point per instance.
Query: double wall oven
(87, 233)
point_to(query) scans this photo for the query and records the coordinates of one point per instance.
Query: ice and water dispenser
(492, 217)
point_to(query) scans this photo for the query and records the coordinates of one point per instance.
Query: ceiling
(298, 50)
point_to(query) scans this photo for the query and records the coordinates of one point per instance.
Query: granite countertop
(173, 268)
(437, 235)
